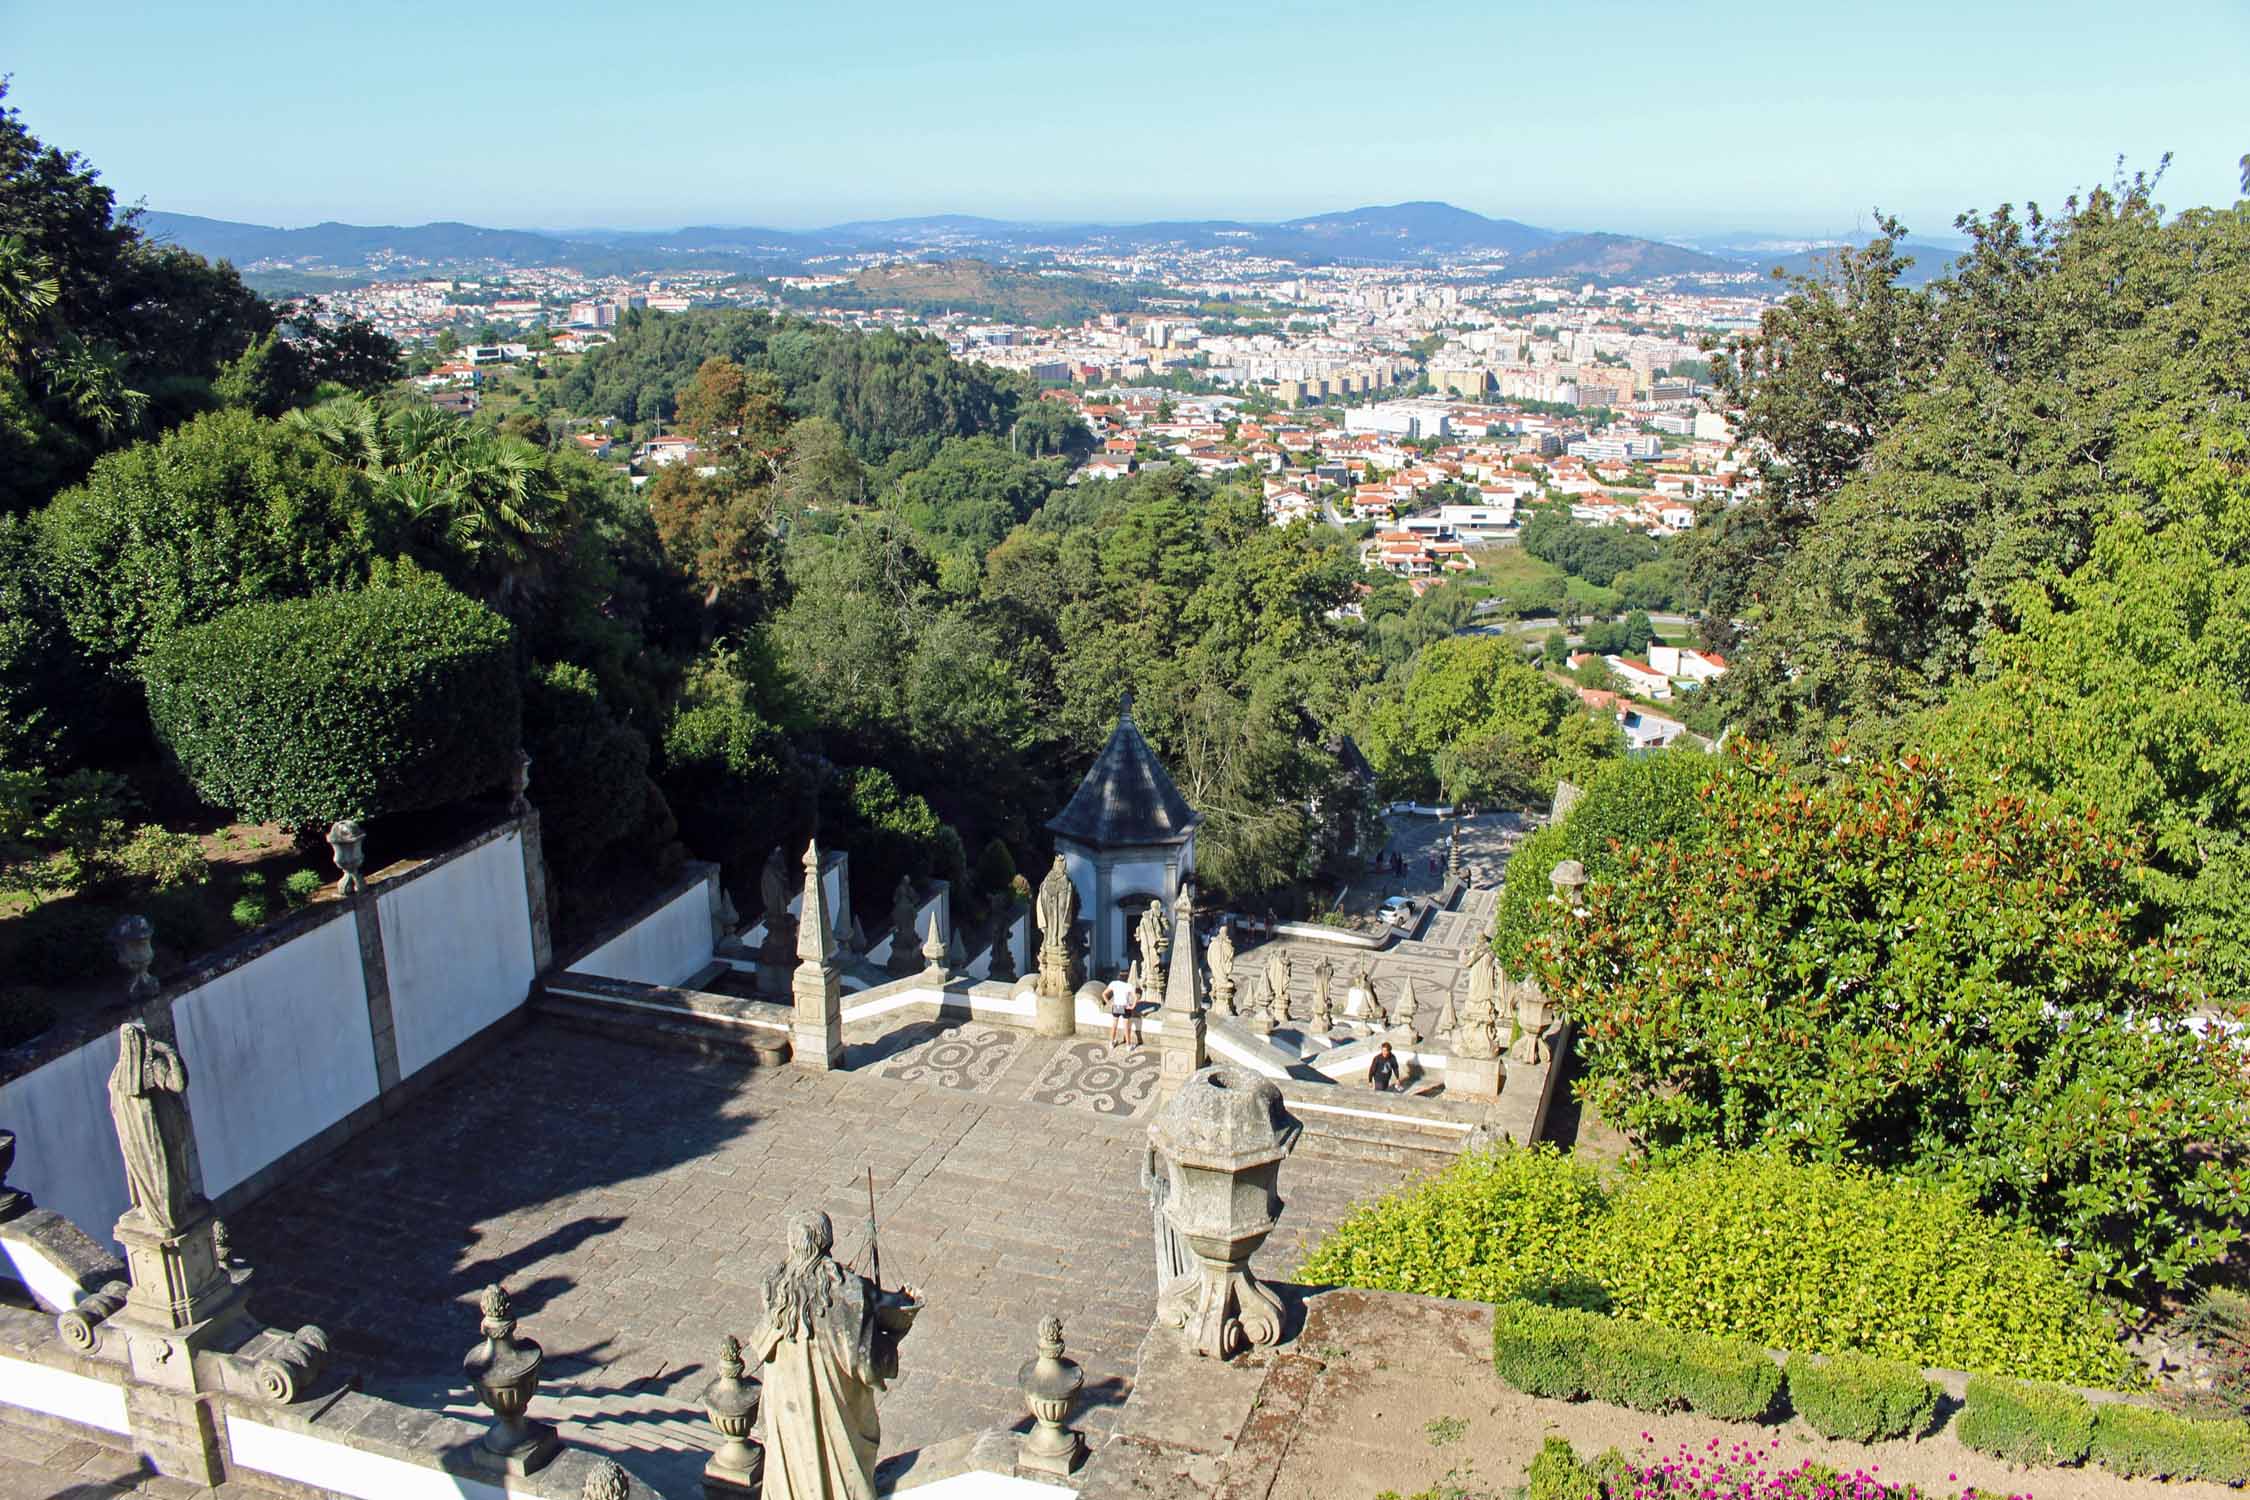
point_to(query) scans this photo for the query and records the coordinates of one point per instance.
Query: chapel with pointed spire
(1127, 837)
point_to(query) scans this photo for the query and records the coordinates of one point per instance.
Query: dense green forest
(873, 599)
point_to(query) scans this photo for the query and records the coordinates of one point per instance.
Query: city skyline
(1628, 118)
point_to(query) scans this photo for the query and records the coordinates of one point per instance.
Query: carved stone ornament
(134, 939)
(1050, 1385)
(347, 844)
(505, 1372)
(731, 1402)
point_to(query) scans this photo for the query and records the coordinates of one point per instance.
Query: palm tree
(29, 290)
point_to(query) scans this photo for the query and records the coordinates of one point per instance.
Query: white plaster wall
(277, 1051)
(457, 944)
(1138, 877)
(66, 1147)
(341, 1469)
(59, 1393)
(664, 947)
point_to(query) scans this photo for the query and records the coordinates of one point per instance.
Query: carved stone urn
(1050, 1386)
(14, 1203)
(1222, 1140)
(134, 939)
(731, 1401)
(505, 1372)
(347, 844)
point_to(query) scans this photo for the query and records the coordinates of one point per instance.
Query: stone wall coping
(1319, 933)
(73, 1032)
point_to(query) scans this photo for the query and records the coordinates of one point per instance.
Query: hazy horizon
(1630, 118)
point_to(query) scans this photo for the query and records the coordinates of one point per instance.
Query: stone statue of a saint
(1475, 1028)
(774, 890)
(1003, 966)
(906, 941)
(148, 1102)
(1277, 986)
(1151, 943)
(1057, 909)
(1324, 995)
(1221, 957)
(828, 1344)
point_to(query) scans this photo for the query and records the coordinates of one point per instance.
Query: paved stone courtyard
(632, 1198)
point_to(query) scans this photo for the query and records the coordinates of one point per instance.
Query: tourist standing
(1119, 993)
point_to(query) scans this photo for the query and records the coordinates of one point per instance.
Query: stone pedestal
(182, 1301)
(816, 1035)
(1473, 1077)
(1222, 1140)
(1054, 1014)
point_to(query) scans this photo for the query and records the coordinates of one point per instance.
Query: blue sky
(1677, 118)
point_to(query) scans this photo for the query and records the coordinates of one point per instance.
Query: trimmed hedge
(2025, 1421)
(388, 700)
(2134, 1440)
(1865, 1400)
(1783, 1255)
(1567, 1353)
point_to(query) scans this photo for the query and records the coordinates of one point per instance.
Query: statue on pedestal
(1277, 989)
(777, 952)
(1476, 1025)
(1221, 955)
(1324, 995)
(829, 1343)
(1150, 941)
(1057, 911)
(148, 1102)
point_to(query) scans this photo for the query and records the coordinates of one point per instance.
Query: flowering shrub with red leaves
(1902, 968)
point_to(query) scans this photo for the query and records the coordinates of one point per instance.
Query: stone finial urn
(1050, 1386)
(606, 1481)
(731, 1402)
(134, 939)
(1569, 881)
(505, 1372)
(347, 845)
(519, 785)
(1222, 1140)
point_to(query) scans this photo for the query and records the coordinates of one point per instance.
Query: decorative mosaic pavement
(968, 1056)
(1094, 1076)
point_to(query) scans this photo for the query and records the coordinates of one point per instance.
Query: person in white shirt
(1119, 992)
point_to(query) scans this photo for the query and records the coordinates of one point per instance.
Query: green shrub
(1494, 1225)
(2025, 1421)
(1556, 1474)
(1821, 1259)
(2136, 1440)
(1541, 1351)
(185, 920)
(302, 886)
(63, 942)
(163, 858)
(1564, 1353)
(1728, 1379)
(1865, 1400)
(22, 1017)
(345, 705)
(1809, 1258)
(252, 905)
(225, 511)
(1629, 803)
(1631, 1364)
(725, 771)
(587, 769)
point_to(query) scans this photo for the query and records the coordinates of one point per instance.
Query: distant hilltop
(1394, 234)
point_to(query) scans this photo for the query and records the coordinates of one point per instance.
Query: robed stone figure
(148, 1102)
(829, 1343)
(1057, 911)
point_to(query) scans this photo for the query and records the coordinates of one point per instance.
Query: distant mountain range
(1396, 234)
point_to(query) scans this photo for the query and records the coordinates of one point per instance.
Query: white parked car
(1399, 911)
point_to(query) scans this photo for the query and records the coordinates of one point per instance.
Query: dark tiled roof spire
(1128, 797)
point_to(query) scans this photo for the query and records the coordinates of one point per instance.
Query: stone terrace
(632, 1198)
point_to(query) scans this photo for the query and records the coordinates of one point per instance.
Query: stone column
(817, 1034)
(1180, 1045)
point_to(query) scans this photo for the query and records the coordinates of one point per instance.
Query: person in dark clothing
(1383, 1072)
